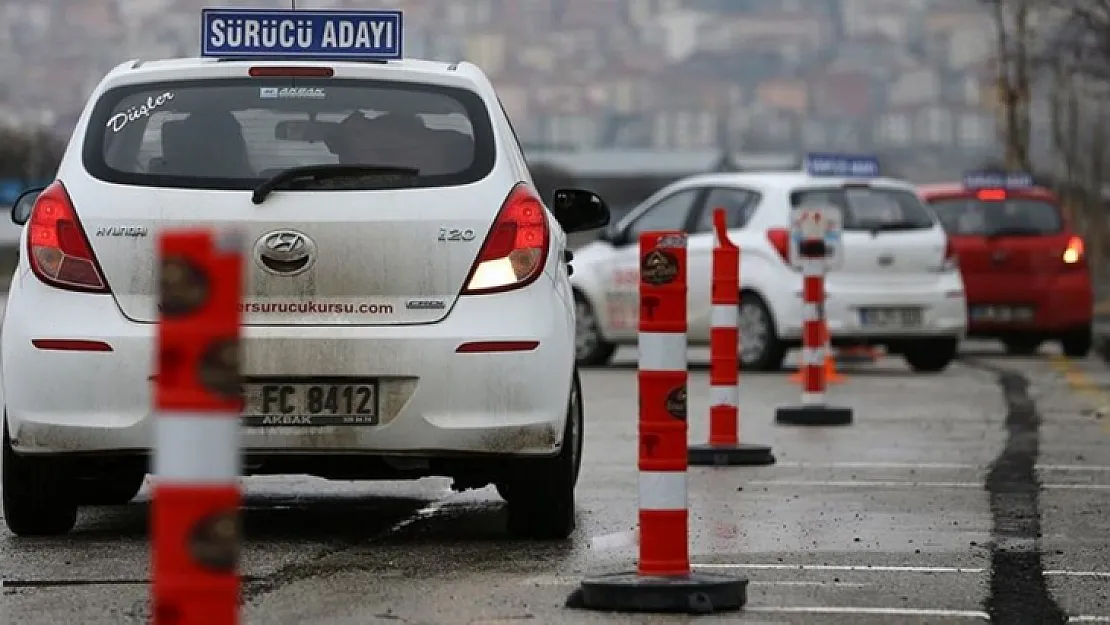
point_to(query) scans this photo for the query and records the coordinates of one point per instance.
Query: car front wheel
(109, 490)
(540, 492)
(38, 495)
(760, 347)
(590, 348)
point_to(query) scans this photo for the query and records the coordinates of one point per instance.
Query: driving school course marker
(725, 448)
(195, 507)
(663, 581)
(290, 35)
(815, 231)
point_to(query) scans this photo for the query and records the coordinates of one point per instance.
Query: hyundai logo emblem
(285, 252)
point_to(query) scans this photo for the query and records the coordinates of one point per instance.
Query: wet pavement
(981, 491)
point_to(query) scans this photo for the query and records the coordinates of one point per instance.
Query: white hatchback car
(897, 286)
(400, 254)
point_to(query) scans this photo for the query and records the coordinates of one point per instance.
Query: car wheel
(1077, 343)
(760, 347)
(931, 355)
(590, 348)
(540, 493)
(1022, 346)
(38, 496)
(109, 490)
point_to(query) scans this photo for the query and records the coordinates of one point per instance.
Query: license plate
(1001, 313)
(310, 405)
(891, 317)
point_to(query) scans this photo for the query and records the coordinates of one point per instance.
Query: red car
(1025, 272)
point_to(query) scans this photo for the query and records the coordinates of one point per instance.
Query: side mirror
(21, 210)
(578, 210)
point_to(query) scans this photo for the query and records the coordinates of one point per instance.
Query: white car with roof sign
(897, 283)
(400, 256)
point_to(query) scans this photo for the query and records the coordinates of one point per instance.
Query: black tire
(1077, 343)
(1023, 346)
(540, 492)
(931, 355)
(772, 352)
(109, 490)
(590, 348)
(38, 495)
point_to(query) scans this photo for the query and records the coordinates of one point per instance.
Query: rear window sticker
(120, 120)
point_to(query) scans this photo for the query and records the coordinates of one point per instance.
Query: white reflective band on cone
(809, 312)
(196, 448)
(813, 356)
(662, 490)
(724, 396)
(813, 266)
(662, 351)
(813, 399)
(724, 316)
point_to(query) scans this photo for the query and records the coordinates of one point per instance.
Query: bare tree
(1012, 58)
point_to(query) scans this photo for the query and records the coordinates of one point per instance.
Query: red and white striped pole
(195, 508)
(663, 580)
(813, 257)
(724, 446)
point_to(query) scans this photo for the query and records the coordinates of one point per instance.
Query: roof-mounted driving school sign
(292, 34)
(841, 165)
(998, 180)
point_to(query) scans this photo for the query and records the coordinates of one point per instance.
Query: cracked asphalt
(984, 490)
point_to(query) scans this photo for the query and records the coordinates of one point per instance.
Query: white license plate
(1001, 314)
(891, 317)
(274, 404)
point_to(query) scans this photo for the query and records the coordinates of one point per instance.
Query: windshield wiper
(895, 225)
(325, 172)
(1013, 232)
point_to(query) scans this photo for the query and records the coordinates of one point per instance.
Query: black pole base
(813, 415)
(741, 454)
(696, 593)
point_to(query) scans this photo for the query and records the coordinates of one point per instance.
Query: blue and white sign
(817, 221)
(998, 180)
(292, 35)
(842, 165)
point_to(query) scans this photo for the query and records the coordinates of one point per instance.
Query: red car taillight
(57, 248)
(1074, 254)
(515, 250)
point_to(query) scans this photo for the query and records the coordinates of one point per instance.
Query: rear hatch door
(390, 243)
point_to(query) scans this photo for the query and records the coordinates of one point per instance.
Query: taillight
(1073, 253)
(515, 250)
(57, 248)
(780, 240)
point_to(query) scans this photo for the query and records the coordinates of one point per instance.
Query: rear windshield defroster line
(234, 133)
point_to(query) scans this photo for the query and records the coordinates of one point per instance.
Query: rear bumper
(944, 310)
(434, 401)
(1062, 303)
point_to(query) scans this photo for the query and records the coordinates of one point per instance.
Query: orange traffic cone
(831, 375)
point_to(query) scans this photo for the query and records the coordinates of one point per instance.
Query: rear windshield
(234, 133)
(1012, 216)
(870, 208)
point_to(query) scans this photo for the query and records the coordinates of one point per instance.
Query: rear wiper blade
(323, 172)
(896, 225)
(1013, 232)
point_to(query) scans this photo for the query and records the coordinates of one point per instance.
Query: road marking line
(807, 584)
(1087, 618)
(933, 465)
(902, 484)
(864, 568)
(859, 611)
(845, 568)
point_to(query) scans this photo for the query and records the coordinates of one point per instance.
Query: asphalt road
(981, 491)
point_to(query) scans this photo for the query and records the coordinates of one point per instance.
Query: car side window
(669, 213)
(739, 205)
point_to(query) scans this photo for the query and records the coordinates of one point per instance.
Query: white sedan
(408, 310)
(898, 284)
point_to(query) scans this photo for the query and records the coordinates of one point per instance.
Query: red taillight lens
(515, 250)
(780, 240)
(991, 195)
(1074, 255)
(57, 249)
(273, 71)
